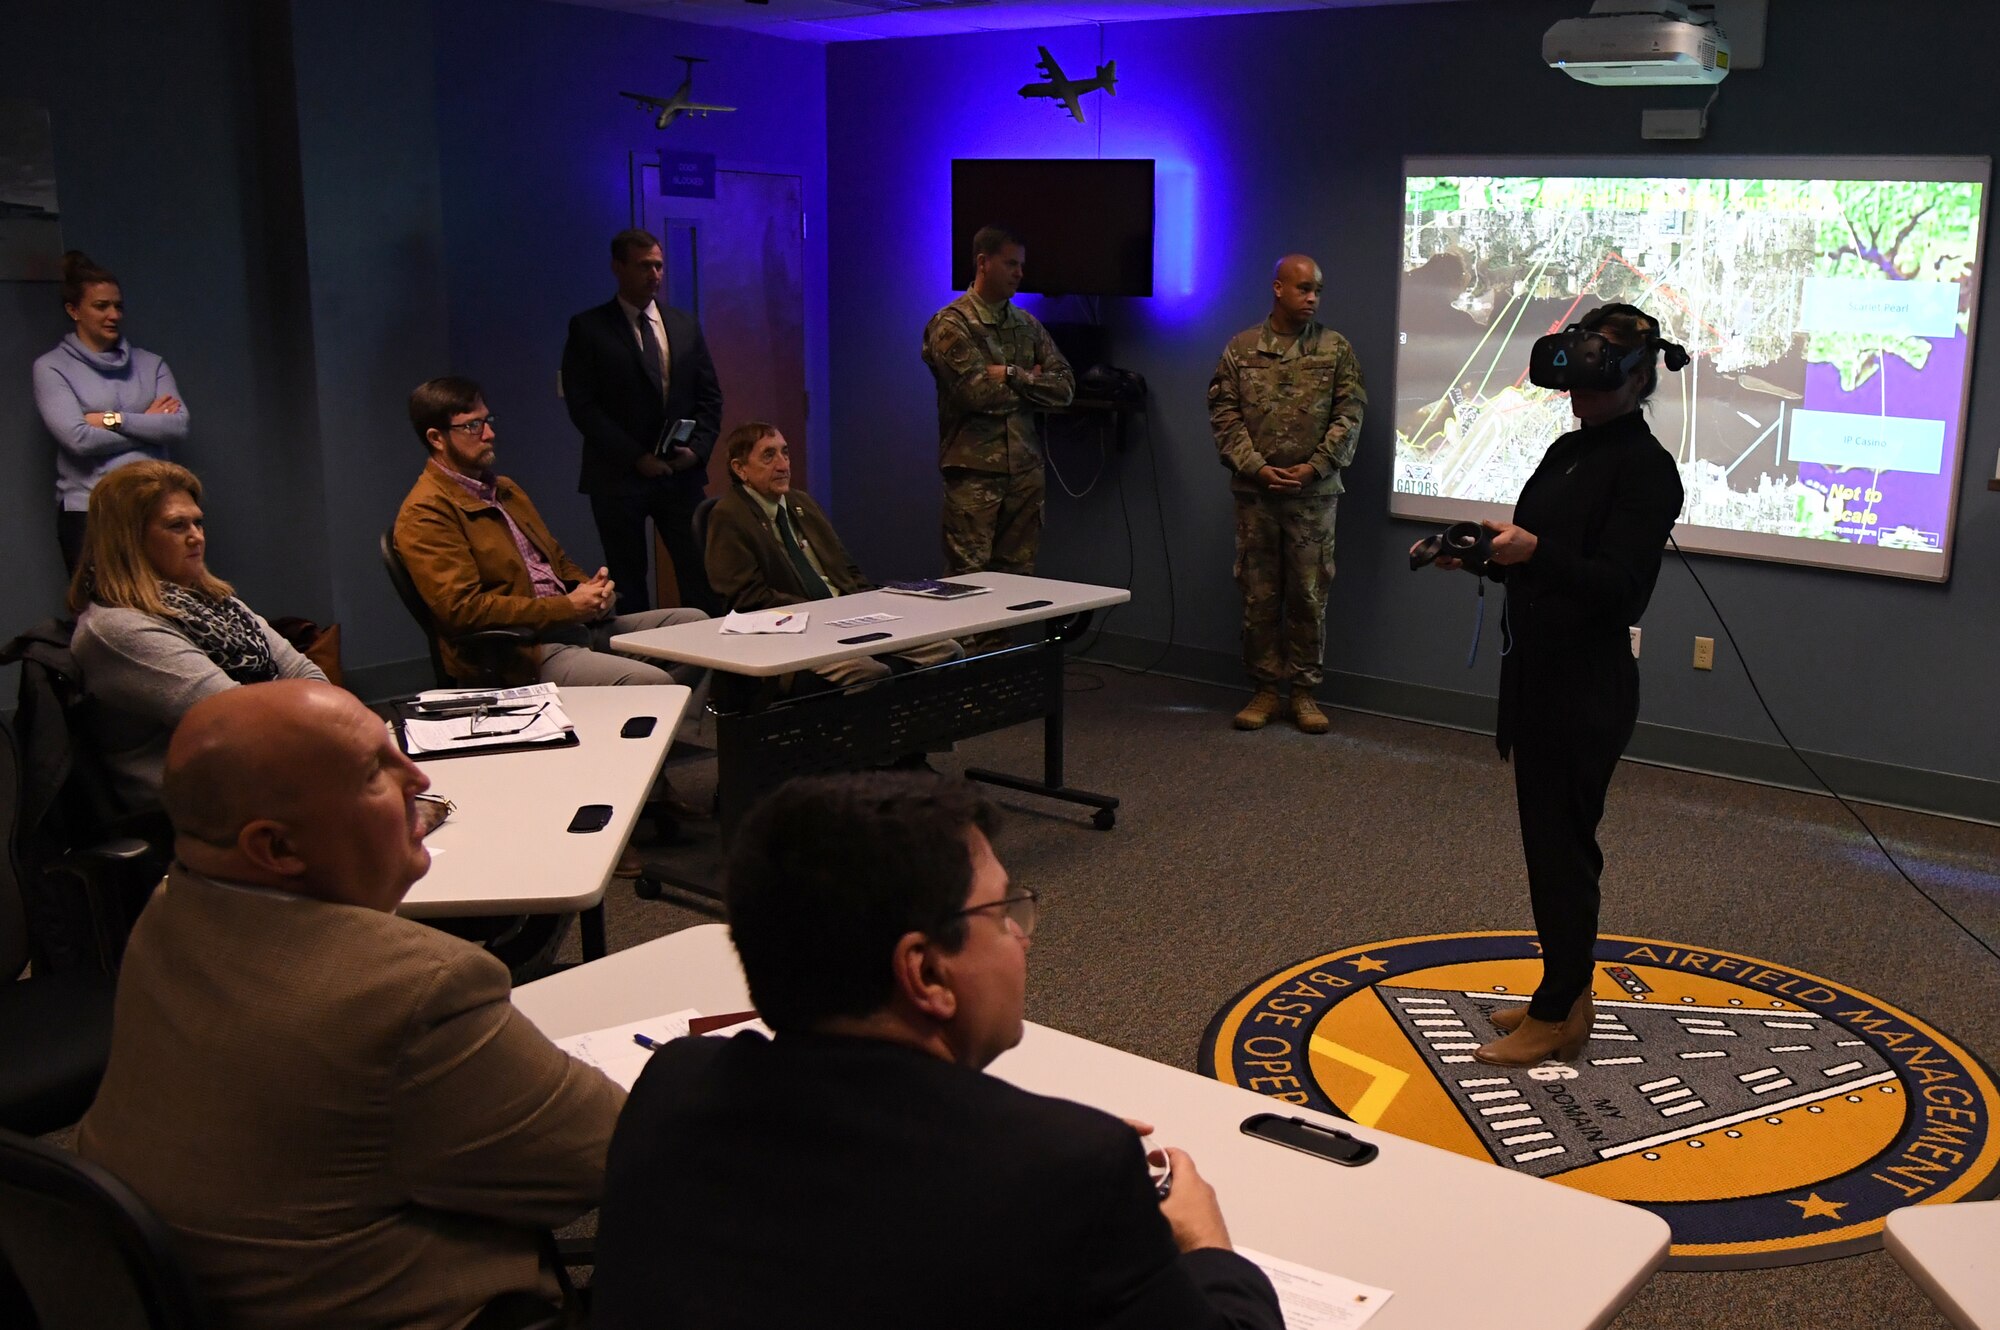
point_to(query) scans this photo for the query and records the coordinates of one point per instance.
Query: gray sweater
(143, 673)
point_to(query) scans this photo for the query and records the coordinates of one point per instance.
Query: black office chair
(86, 1252)
(55, 1028)
(702, 512)
(487, 645)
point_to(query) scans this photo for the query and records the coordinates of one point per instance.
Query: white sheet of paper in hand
(1315, 1300)
(765, 621)
(612, 1050)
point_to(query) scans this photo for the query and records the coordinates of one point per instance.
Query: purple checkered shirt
(540, 573)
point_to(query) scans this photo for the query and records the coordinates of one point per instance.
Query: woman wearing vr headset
(1579, 561)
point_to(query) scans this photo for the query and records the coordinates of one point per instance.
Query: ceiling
(864, 20)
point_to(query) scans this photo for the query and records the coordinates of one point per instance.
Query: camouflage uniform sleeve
(959, 363)
(1225, 419)
(1343, 435)
(1057, 385)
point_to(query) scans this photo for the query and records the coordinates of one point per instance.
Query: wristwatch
(113, 419)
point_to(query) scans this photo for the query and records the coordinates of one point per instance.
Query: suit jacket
(747, 562)
(612, 401)
(467, 568)
(338, 1111)
(1600, 505)
(824, 1181)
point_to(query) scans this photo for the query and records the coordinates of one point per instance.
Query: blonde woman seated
(770, 545)
(157, 631)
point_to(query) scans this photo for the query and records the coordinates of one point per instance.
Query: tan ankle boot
(1307, 715)
(1257, 712)
(1533, 1042)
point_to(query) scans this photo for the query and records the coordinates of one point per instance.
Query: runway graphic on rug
(1768, 1115)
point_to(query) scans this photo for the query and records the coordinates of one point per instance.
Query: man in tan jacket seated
(337, 1111)
(482, 557)
(770, 545)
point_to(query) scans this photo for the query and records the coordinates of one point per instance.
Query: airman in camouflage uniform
(1285, 406)
(994, 364)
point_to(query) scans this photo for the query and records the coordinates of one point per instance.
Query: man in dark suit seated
(337, 1110)
(769, 544)
(860, 1169)
(632, 369)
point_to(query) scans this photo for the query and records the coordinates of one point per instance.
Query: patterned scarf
(225, 630)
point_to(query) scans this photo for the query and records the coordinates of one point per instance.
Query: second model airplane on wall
(1068, 90)
(671, 108)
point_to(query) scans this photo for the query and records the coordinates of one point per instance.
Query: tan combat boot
(1257, 712)
(1306, 713)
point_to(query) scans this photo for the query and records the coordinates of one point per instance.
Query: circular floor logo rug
(1769, 1116)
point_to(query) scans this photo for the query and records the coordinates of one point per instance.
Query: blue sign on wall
(687, 175)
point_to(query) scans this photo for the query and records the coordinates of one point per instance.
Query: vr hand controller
(1468, 542)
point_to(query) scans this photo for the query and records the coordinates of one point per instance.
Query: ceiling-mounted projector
(1631, 43)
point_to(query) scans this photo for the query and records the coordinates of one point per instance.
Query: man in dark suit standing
(861, 1169)
(631, 370)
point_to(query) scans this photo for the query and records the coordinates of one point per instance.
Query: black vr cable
(1838, 797)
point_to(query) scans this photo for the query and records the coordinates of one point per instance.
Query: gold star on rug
(1812, 1207)
(1368, 965)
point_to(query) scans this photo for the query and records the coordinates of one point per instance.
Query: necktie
(649, 344)
(815, 587)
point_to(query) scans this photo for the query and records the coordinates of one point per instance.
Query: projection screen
(1828, 304)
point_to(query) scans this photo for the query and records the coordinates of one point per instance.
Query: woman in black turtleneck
(1579, 561)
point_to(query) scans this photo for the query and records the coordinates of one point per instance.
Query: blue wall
(535, 145)
(314, 206)
(1284, 132)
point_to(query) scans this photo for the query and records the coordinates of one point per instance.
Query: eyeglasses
(479, 426)
(480, 718)
(1021, 910)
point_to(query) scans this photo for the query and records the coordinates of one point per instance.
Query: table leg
(1052, 786)
(590, 931)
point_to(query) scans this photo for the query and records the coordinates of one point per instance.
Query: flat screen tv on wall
(1087, 224)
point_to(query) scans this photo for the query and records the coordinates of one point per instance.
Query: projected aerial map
(1828, 320)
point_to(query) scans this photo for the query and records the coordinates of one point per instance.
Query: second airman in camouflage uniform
(994, 364)
(1285, 406)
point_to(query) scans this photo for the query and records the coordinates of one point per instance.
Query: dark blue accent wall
(1288, 131)
(535, 144)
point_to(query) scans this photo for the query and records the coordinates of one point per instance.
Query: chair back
(59, 798)
(702, 512)
(13, 911)
(86, 1253)
(413, 601)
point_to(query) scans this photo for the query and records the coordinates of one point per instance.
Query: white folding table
(760, 742)
(1953, 1254)
(507, 847)
(1459, 1242)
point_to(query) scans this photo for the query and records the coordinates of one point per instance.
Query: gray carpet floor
(1236, 853)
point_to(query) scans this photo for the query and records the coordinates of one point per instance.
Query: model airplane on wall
(1068, 90)
(671, 108)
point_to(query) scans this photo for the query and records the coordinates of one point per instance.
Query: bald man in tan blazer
(338, 1111)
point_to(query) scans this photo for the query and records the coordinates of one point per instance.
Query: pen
(782, 621)
(649, 1045)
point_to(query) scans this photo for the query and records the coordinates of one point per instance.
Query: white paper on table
(754, 1024)
(765, 621)
(455, 734)
(612, 1051)
(1315, 1300)
(878, 617)
(506, 697)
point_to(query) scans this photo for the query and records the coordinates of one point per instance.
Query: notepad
(932, 589)
(765, 621)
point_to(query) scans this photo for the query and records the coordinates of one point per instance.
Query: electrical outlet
(1634, 631)
(1704, 653)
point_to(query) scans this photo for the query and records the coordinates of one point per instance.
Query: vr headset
(1579, 357)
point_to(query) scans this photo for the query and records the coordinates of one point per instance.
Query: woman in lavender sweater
(106, 401)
